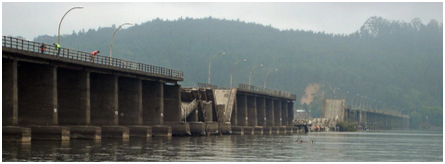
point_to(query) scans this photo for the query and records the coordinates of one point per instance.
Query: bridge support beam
(9, 93)
(277, 113)
(290, 113)
(261, 111)
(234, 117)
(284, 114)
(37, 94)
(269, 112)
(172, 103)
(172, 110)
(251, 110)
(104, 99)
(74, 97)
(130, 101)
(152, 103)
(241, 104)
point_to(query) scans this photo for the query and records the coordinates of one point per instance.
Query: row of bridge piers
(373, 119)
(47, 99)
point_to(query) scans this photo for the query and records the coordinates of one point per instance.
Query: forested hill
(397, 63)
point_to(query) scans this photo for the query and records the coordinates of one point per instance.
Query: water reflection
(333, 146)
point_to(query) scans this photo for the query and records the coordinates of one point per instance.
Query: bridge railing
(206, 85)
(26, 45)
(266, 90)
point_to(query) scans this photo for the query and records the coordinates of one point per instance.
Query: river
(374, 146)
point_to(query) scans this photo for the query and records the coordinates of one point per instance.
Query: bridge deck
(29, 51)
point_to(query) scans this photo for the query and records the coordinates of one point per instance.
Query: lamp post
(344, 96)
(355, 102)
(250, 75)
(361, 100)
(111, 42)
(222, 53)
(265, 78)
(58, 36)
(231, 72)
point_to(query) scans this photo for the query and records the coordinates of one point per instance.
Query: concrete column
(74, 97)
(10, 93)
(290, 112)
(153, 103)
(252, 111)
(241, 104)
(37, 94)
(365, 116)
(269, 112)
(208, 108)
(104, 99)
(261, 111)
(234, 117)
(277, 113)
(284, 114)
(172, 103)
(130, 101)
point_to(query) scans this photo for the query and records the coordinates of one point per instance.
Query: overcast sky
(33, 19)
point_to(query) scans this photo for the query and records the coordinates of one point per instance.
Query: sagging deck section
(240, 110)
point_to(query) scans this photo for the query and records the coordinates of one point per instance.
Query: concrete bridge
(61, 95)
(242, 110)
(334, 110)
(67, 92)
(374, 119)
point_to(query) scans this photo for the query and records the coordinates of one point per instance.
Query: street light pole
(356, 103)
(265, 78)
(111, 42)
(250, 75)
(58, 35)
(231, 72)
(222, 53)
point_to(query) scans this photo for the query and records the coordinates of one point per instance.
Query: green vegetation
(397, 63)
(346, 126)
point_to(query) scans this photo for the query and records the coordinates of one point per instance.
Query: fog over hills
(397, 65)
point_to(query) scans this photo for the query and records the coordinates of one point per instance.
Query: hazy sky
(31, 19)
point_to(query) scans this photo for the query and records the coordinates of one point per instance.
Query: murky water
(403, 146)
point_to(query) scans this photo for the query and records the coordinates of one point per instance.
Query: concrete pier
(179, 128)
(115, 132)
(238, 130)
(267, 130)
(212, 127)
(59, 133)
(248, 130)
(275, 130)
(258, 130)
(140, 131)
(226, 128)
(16, 134)
(289, 130)
(85, 132)
(161, 131)
(197, 128)
(282, 130)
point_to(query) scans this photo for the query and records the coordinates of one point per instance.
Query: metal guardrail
(25, 45)
(266, 90)
(205, 85)
(251, 88)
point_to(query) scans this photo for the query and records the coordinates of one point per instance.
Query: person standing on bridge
(42, 48)
(57, 46)
(93, 54)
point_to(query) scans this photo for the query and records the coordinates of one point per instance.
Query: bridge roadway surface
(67, 94)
